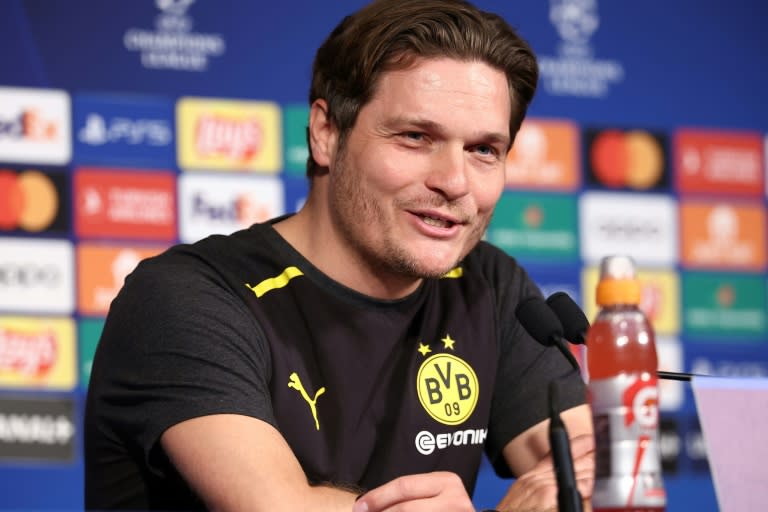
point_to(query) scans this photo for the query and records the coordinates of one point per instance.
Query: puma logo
(295, 383)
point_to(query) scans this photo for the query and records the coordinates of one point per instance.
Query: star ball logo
(446, 385)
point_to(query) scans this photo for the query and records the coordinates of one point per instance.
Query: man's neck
(311, 233)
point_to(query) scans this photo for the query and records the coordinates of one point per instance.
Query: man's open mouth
(437, 222)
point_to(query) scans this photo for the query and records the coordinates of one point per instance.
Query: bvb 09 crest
(447, 387)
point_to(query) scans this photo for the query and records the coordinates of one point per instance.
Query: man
(360, 354)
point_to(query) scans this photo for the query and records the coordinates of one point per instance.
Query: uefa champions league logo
(173, 44)
(575, 70)
(175, 7)
(575, 20)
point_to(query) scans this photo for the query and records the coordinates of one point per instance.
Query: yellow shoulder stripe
(273, 283)
(453, 274)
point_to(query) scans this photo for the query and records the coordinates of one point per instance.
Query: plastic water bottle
(624, 395)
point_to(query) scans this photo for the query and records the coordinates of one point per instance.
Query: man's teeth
(436, 222)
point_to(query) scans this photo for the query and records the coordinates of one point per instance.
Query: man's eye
(485, 150)
(413, 135)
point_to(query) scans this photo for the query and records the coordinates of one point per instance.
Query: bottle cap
(618, 282)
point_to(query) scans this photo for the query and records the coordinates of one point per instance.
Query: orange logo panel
(719, 162)
(101, 271)
(545, 155)
(723, 235)
(37, 353)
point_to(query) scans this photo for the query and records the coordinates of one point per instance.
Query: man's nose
(448, 172)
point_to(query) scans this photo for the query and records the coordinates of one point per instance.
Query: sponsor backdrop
(128, 126)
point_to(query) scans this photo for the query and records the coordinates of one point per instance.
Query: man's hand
(426, 492)
(536, 490)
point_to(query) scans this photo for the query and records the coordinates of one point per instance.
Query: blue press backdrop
(690, 63)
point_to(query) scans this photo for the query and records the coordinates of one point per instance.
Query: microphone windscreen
(575, 323)
(539, 320)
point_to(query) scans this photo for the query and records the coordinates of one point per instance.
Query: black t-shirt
(363, 390)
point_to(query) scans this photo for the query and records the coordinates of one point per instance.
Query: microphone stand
(568, 496)
(663, 374)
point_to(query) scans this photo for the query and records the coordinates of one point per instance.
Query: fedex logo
(241, 209)
(29, 124)
(35, 126)
(218, 204)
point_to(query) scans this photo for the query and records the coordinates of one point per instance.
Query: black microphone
(544, 326)
(576, 325)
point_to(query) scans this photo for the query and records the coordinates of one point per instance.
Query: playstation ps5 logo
(99, 130)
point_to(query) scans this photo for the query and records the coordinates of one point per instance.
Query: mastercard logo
(28, 200)
(633, 159)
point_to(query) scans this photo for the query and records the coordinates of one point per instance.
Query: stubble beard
(352, 206)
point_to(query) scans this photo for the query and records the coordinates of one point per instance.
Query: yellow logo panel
(447, 387)
(229, 135)
(37, 353)
(659, 299)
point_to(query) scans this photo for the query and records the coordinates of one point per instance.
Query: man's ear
(323, 134)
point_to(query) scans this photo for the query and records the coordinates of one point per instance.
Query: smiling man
(361, 354)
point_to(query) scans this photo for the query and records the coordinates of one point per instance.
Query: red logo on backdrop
(119, 204)
(719, 162)
(642, 402)
(25, 353)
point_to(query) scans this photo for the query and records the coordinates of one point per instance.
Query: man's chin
(432, 269)
(424, 261)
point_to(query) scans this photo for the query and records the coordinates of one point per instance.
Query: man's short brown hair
(391, 34)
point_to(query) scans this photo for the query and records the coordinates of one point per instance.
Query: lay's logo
(37, 353)
(235, 139)
(229, 135)
(35, 126)
(30, 354)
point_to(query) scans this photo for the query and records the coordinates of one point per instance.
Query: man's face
(415, 185)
